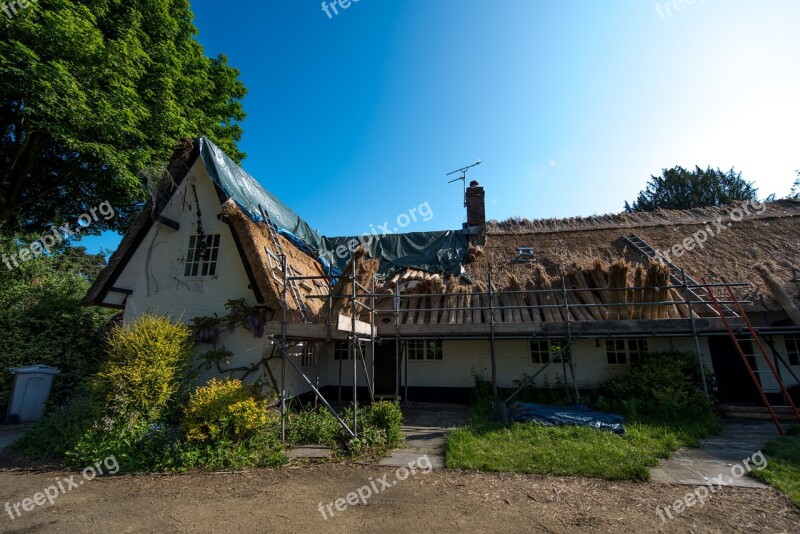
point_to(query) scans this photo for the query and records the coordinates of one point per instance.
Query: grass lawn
(783, 467)
(567, 450)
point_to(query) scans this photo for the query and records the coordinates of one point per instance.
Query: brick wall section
(476, 209)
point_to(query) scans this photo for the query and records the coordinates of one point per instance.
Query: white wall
(463, 359)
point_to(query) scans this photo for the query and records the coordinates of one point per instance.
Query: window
(615, 351)
(341, 350)
(307, 358)
(540, 351)
(544, 350)
(622, 351)
(424, 349)
(434, 350)
(201, 260)
(793, 349)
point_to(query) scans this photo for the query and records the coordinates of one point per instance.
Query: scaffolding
(361, 336)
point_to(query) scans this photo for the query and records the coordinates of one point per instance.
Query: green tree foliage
(92, 91)
(42, 320)
(795, 192)
(679, 189)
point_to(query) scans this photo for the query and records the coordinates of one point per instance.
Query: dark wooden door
(385, 368)
(733, 379)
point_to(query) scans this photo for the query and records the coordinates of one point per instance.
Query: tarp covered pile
(577, 414)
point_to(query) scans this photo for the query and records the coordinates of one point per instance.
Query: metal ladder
(675, 273)
(748, 335)
(276, 242)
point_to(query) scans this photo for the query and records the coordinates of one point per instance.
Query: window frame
(193, 267)
(540, 355)
(342, 348)
(424, 350)
(308, 356)
(626, 351)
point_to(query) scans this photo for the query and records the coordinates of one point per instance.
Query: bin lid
(42, 369)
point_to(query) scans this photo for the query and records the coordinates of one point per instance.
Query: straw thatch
(255, 240)
(592, 256)
(365, 269)
(731, 254)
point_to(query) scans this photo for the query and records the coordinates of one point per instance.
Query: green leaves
(679, 189)
(93, 91)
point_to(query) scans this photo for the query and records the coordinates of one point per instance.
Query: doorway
(385, 368)
(733, 379)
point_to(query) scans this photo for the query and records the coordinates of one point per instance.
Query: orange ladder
(749, 335)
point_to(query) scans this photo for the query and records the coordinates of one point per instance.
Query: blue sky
(571, 105)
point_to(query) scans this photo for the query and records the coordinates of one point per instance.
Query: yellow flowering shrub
(225, 409)
(148, 363)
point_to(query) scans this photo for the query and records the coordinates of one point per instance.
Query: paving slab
(309, 451)
(425, 430)
(714, 460)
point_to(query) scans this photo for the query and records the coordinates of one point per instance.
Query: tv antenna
(463, 177)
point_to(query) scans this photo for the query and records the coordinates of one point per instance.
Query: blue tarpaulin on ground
(577, 414)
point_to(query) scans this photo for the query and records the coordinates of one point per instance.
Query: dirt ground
(286, 500)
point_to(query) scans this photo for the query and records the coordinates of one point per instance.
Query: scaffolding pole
(569, 344)
(283, 352)
(687, 296)
(492, 348)
(397, 345)
(353, 340)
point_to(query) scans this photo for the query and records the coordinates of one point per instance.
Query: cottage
(576, 300)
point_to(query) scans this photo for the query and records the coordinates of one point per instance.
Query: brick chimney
(476, 212)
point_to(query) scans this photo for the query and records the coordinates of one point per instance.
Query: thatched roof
(592, 253)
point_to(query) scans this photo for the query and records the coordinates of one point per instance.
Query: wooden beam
(783, 298)
(345, 324)
(121, 290)
(168, 222)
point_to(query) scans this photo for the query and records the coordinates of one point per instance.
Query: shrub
(130, 408)
(264, 449)
(225, 409)
(386, 416)
(379, 428)
(148, 365)
(314, 427)
(662, 386)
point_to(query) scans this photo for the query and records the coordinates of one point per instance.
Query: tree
(91, 91)
(679, 189)
(42, 318)
(795, 192)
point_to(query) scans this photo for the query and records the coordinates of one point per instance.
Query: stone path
(426, 425)
(717, 456)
